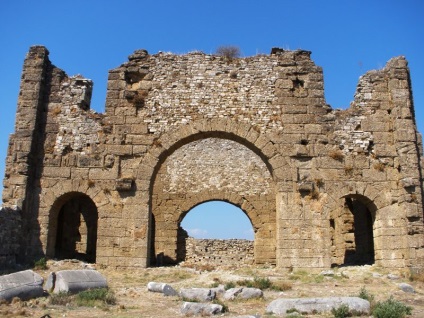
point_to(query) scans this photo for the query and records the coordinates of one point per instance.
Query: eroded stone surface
(24, 285)
(317, 305)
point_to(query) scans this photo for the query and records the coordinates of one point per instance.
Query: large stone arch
(167, 206)
(72, 227)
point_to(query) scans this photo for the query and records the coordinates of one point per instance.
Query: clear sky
(89, 37)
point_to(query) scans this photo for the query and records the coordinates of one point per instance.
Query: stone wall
(10, 231)
(231, 252)
(180, 130)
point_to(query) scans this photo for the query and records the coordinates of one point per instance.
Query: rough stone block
(190, 308)
(73, 281)
(200, 294)
(317, 305)
(25, 285)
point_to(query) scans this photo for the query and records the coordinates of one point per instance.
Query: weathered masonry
(320, 186)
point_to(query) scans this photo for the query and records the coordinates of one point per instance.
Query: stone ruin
(322, 187)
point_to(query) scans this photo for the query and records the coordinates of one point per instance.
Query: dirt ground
(133, 299)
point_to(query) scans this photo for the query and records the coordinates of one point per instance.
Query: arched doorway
(73, 228)
(205, 168)
(215, 223)
(353, 233)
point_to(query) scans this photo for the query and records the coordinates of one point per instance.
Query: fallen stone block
(190, 308)
(74, 281)
(220, 290)
(406, 288)
(25, 285)
(317, 305)
(163, 288)
(243, 293)
(199, 294)
(248, 293)
(232, 293)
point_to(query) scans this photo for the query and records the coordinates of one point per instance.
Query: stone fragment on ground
(327, 273)
(25, 285)
(242, 293)
(192, 308)
(163, 288)
(248, 293)
(199, 294)
(220, 290)
(317, 305)
(406, 288)
(73, 281)
(393, 276)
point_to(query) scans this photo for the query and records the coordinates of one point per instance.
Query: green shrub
(391, 308)
(261, 283)
(341, 312)
(364, 294)
(41, 263)
(229, 285)
(91, 297)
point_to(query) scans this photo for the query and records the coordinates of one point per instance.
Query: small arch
(353, 231)
(72, 228)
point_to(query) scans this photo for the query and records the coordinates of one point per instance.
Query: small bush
(91, 297)
(229, 285)
(364, 294)
(336, 155)
(319, 182)
(348, 170)
(229, 52)
(281, 286)
(261, 283)
(417, 277)
(391, 308)
(379, 166)
(341, 312)
(314, 195)
(61, 299)
(41, 263)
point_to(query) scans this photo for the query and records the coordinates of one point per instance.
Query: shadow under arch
(72, 228)
(353, 231)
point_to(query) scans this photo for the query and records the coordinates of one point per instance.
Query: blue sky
(346, 38)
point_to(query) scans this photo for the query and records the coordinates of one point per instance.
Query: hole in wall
(217, 220)
(76, 235)
(298, 83)
(210, 229)
(358, 233)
